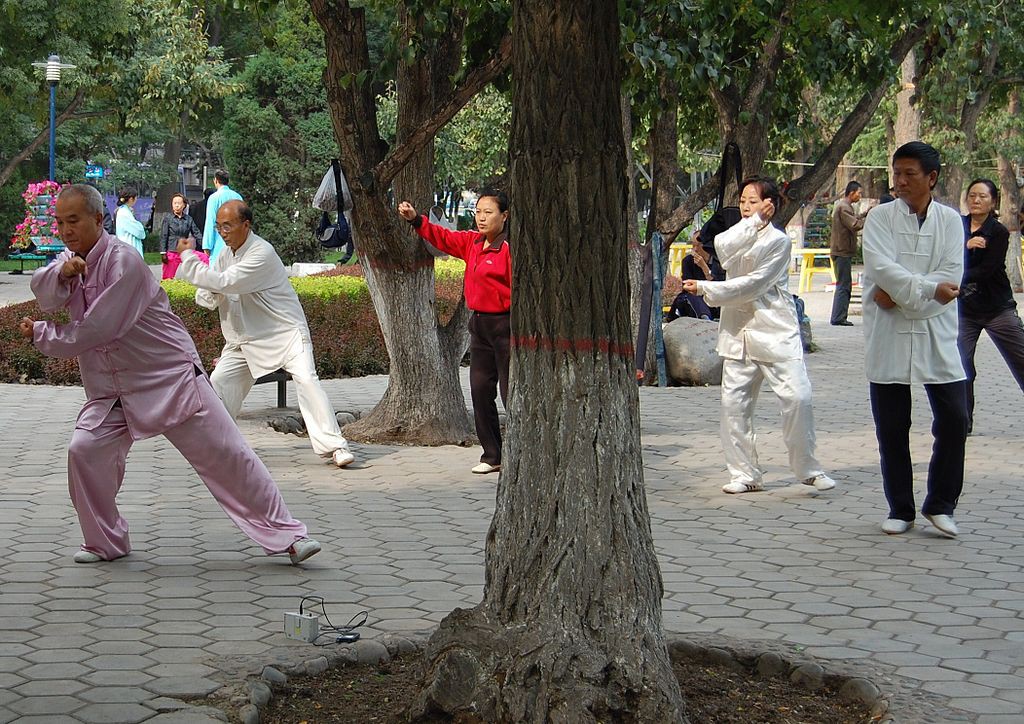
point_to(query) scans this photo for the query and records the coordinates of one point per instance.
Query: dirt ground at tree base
(714, 695)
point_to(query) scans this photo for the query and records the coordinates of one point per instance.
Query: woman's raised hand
(766, 210)
(407, 211)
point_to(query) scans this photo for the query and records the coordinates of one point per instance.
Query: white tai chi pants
(232, 381)
(213, 445)
(741, 383)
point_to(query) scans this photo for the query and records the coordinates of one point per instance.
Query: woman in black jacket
(986, 300)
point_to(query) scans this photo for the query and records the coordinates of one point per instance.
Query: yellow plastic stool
(808, 270)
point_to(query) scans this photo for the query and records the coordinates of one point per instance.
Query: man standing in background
(845, 225)
(212, 241)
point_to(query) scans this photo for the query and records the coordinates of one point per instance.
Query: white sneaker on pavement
(895, 526)
(737, 487)
(84, 556)
(821, 482)
(302, 549)
(342, 457)
(944, 524)
(484, 468)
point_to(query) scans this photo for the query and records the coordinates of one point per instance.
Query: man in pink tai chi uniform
(142, 377)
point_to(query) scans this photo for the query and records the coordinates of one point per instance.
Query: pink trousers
(213, 445)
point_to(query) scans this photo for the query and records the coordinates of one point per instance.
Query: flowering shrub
(39, 225)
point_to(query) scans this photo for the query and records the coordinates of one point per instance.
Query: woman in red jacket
(488, 290)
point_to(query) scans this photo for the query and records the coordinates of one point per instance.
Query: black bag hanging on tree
(724, 216)
(338, 234)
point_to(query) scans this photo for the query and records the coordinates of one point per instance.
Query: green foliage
(277, 136)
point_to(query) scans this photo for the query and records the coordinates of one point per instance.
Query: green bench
(22, 257)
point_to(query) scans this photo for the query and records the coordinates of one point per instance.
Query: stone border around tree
(246, 698)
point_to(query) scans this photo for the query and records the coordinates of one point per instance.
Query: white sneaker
(342, 457)
(484, 468)
(738, 487)
(84, 556)
(302, 549)
(821, 482)
(944, 524)
(895, 526)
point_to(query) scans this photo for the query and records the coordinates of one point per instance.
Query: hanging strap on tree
(659, 339)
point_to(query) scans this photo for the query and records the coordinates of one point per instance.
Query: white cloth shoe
(821, 482)
(944, 524)
(343, 457)
(84, 556)
(737, 487)
(302, 549)
(484, 468)
(895, 526)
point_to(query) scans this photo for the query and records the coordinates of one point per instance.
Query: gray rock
(371, 652)
(860, 690)
(405, 646)
(690, 354)
(770, 664)
(721, 657)
(344, 418)
(259, 693)
(808, 675)
(273, 676)
(684, 649)
(317, 666)
(249, 714)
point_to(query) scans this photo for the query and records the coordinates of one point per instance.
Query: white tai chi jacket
(260, 313)
(916, 341)
(758, 319)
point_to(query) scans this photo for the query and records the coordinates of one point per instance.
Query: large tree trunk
(570, 626)
(1010, 197)
(908, 114)
(423, 402)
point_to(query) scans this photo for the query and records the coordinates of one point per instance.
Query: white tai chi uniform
(264, 330)
(759, 339)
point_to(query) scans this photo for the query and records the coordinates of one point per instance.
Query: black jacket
(175, 228)
(985, 290)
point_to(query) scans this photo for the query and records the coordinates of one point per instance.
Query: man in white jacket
(759, 339)
(263, 324)
(913, 263)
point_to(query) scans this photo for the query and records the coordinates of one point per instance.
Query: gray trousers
(1007, 333)
(844, 287)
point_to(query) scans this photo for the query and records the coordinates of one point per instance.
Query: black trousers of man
(890, 405)
(844, 288)
(489, 337)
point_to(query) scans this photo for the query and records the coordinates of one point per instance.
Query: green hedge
(347, 341)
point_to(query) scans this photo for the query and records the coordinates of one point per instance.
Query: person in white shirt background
(913, 264)
(759, 339)
(127, 228)
(263, 324)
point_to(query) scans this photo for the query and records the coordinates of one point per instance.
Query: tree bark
(1010, 197)
(908, 115)
(570, 626)
(423, 403)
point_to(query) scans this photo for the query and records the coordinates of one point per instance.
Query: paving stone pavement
(934, 621)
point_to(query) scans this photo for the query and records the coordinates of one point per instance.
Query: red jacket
(488, 272)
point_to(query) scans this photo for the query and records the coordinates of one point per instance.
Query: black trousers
(890, 405)
(1007, 334)
(844, 288)
(489, 336)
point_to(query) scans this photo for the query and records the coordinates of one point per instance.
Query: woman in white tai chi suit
(759, 339)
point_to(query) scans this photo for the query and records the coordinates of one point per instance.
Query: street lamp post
(53, 68)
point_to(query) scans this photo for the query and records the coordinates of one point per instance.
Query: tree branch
(805, 186)
(475, 81)
(766, 69)
(693, 203)
(67, 114)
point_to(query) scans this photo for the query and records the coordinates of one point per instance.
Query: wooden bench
(281, 378)
(23, 257)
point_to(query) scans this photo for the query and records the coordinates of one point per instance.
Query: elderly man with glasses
(263, 324)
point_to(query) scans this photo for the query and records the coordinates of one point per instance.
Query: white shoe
(736, 487)
(821, 482)
(302, 549)
(944, 524)
(84, 556)
(343, 457)
(895, 526)
(484, 468)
